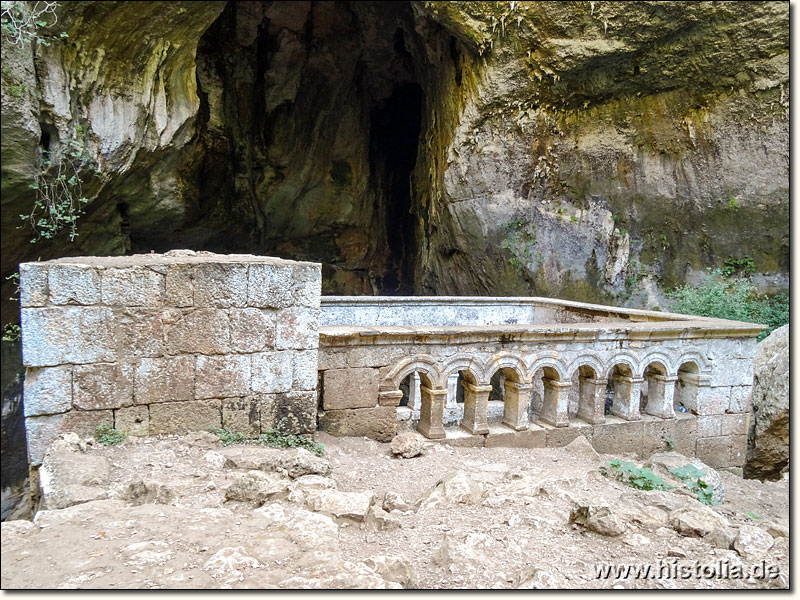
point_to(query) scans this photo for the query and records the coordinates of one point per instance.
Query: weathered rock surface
(696, 521)
(258, 487)
(752, 542)
(408, 444)
(768, 443)
(600, 519)
(352, 505)
(455, 488)
(69, 475)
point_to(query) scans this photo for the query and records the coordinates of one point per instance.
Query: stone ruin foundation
(183, 341)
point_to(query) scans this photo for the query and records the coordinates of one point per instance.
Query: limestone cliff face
(590, 150)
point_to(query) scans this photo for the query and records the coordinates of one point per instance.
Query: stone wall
(168, 343)
(652, 367)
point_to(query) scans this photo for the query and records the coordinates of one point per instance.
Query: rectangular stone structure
(166, 343)
(553, 346)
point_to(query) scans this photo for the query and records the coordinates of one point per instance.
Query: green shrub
(633, 476)
(735, 298)
(276, 437)
(108, 436)
(693, 478)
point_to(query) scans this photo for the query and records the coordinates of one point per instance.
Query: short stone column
(515, 410)
(414, 399)
(689, 388)
(476, 405)
(431, 412)
(661, 396)
(555, 404)
(452, 391)
(592, 402)
(627, 393)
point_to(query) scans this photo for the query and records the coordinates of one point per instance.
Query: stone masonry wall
(167, 344)
(355, 369)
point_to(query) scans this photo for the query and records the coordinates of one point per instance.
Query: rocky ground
(186, 512)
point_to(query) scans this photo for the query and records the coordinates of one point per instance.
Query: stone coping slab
(171, 258)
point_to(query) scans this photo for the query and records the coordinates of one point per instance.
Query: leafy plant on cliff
(731, 298)
(520, 237)
(59, 189)
(21, 23)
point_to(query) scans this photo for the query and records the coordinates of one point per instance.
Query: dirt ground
(186, 512)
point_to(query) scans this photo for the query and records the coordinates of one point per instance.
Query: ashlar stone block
(48, 390)
(67, 334)
(252, 329)
(133, 420)
(271, 372)
(179, 286)
(270, 286)
(32, 285)
(139, 332)
(133, 286)
(102, 386)
(242, 414)
(296, 410)
(222, 376)
(202, 331)
(305, 372)
(220, 285)
(350, 388)
(182, 417)
(297, 328)
(73, 284)
(168, 379)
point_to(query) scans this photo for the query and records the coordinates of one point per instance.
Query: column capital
(434, 391)
(557, 384)
(390, 398)
(477, 388)
(522, 387)
(626, 379)
(663, 378)
(598, 381)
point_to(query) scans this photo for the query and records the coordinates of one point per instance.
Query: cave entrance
(394, 136)
(310, 124)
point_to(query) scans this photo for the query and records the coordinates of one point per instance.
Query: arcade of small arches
(467, 389)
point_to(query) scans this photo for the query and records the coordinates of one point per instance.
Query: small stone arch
(589, 359)
(657, 356)
(422, 363)
(693, 356)
(658, 385)
(511, 362)
(549, 360)
(622, 357)
(468, 363)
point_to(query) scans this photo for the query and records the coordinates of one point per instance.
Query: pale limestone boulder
(752, 543)
(456, 488)
(393, 568)
(70, 474)
(393, 501)
(382, 520)
(598, 518)
(696, 521)
(148, 492)
(408, 444)
(257, 486)
(351, 505)
(768, 444)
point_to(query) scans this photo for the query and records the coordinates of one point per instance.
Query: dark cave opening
(308, 132)
(394, 136)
